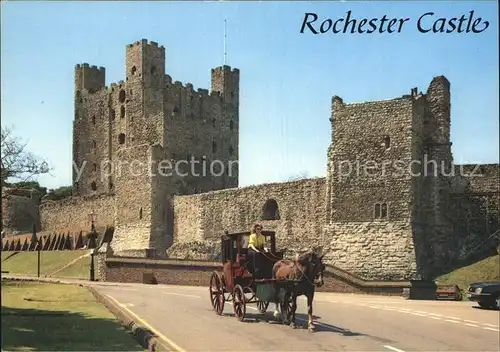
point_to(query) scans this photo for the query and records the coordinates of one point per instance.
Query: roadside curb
(144, 336)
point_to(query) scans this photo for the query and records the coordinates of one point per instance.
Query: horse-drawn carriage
(237, 283)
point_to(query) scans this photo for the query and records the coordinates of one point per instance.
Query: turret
(91, 78)
(145, 62)
(226, 81)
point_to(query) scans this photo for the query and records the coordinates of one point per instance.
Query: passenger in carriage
(256, 246)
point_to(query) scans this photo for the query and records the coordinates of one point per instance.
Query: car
(448, 292)
(486, 294)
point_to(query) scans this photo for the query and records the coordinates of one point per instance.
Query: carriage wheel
(262, 306)
(286, 308)
(217, 293)
(239, 303)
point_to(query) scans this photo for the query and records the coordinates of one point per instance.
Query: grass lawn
(26, 263)
(57, 317)
(484, 270)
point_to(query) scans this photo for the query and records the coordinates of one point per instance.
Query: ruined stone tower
(387, 179)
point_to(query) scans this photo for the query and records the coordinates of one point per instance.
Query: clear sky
(287, 78)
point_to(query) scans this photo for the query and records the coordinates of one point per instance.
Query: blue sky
(287, 78)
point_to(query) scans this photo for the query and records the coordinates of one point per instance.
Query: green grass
(26, 263)
(484, 270)
(57, 317)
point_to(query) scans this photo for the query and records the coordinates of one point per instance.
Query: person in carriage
(257, 246)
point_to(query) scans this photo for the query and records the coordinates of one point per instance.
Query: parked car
(486, 294)
(448, 292)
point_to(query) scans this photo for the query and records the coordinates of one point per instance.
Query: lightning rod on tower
(224, 41)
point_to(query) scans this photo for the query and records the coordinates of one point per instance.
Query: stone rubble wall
(203, 218)
(72, 214)
(372, 250)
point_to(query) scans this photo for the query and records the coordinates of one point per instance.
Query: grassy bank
(484, 270)
(57, 317)
(73, 264)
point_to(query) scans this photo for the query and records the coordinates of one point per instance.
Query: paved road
(183, 316)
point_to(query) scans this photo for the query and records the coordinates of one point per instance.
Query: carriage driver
(256, 245)
(257, 241)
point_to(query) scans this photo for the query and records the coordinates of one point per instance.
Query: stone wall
(72, 214)
(198, 273)
(298, 218)
(372, 250)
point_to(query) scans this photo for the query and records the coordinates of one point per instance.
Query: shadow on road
(301, 321)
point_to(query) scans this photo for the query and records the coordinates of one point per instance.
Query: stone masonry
(392, 206)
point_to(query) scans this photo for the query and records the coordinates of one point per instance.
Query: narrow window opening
(93, 119)
(214, 147)
(93, 186)
(231, 125)
(377, 211)
(121, 138)
(383, 211)
(112, 114)
(387, 142)
(134, 69)
(140, 213)
(122, 112)
(121, 96)
(213, 122)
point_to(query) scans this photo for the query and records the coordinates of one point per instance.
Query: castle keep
(393, 205)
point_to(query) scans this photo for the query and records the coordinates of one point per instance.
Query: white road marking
(420, 315)
(436, 315)
(468, 324)
(491, 329)
(393, 348)
(471, 321)
(180, 294)
(495, 326)
(127, 289)
(436, 318)
(452, 321)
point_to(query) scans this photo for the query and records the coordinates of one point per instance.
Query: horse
(307, 269)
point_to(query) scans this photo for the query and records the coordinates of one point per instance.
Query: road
(183, 317)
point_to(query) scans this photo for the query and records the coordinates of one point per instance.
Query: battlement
(199, 92)
(90, 78)
(145, 42)
(87, 66)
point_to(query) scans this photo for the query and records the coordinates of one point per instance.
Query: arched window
(270, 210)
(121, 138)
(134, 69)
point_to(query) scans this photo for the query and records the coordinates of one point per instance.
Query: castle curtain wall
(295, 210)
(72, 214)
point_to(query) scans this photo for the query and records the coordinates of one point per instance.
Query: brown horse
(308, 270)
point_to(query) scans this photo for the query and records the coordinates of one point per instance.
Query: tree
(59, 193)
(17, 162)
(42, 191)
(300, 176)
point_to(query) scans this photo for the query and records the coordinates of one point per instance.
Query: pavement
(181, 317)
